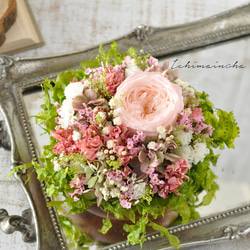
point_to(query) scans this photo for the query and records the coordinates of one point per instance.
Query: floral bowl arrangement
(132, 139)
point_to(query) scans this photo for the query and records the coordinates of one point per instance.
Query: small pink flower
(115, 175)
(66, 143)
(164, 191)
(90, 143)
(125, 204)
(154, 179)
(197, 115)
(126, 172)
(118, 132)
(130, 143)
(153, 64)
(78, 184)
(174, 183)
(113, 78)
(75, 79)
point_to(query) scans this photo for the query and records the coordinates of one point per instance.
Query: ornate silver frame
(41, 223)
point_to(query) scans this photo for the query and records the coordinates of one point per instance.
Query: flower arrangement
(131, 137)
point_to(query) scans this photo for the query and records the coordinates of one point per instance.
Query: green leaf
(92, 181)
(184, 209)
(207, 199)
(130, 214)
(17, 168)
(89, 64)
(75, 238)
(55, 203)
(106, 226)
(46, 97)
(134, 233)
(50, 190)
(173, 240)
(89, 172)
(227, 129)
(41, 174)
(64, 78)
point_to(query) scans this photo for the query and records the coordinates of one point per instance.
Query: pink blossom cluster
(195, 121)
(78, 185)
(124, 181)
(66, 143)
(89, 144)
(113, 78)
(170, 180)
(125, 147)
(112, 75)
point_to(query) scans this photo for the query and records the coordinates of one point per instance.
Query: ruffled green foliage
(151, 205)
(75, 236)
(224, 124)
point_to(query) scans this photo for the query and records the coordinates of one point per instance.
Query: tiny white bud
(110, 144)
(117, 121)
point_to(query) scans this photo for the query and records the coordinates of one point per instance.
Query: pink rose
(149, 100)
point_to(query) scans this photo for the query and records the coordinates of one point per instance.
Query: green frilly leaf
(173, 240)
(106, 226)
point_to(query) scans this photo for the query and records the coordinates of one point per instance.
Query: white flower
(124, 188)
(193, 154)
(102, 115)
(105, 130)
(112, 158)
(133, 177)
(57, 166)
(73, 89)
(131, 67)
(112, 103)
(109, 183)
(187, 89)
(87, 84)
(76, 135)
(139, 189)
(117, 112)
(112, 182)
(100, 155)
(117, 121)
(162, 131)
(115, 192)
(185, 137)
(105, 193)
(110, 144)
(66, 113)
(153, 145)
(199, 152)
(185, 152)
(188, 111)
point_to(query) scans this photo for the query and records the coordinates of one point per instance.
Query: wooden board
(7, 17)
